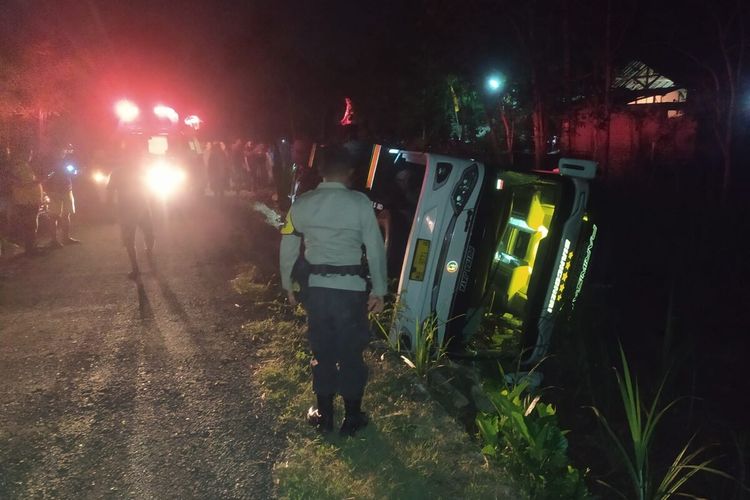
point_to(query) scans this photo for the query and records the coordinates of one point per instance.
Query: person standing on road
(59, 187)
(218, 169)
(238, 165)
(335, 224)
(26, 197)
(127, 184)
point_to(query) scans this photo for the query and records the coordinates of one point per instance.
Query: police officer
(336, 224)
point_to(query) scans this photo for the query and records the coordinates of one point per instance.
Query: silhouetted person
(127, 185)
(218, 169)
(26, 197)
(59, 188)
(238, 165)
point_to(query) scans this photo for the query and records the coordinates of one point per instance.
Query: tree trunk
(40, 130)
(537, 119)
(495, 141)
(456, 110)
(607, 83)
(510, 131)
(567, 72)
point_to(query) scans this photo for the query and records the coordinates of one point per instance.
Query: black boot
(322, 417)
(355, 419)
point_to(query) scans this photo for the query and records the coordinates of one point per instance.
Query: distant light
(193, 121)
(163, 111)
(393, 151)
(126, 111)
(100, 177)
(500, 184)
(495, 83)
(70, 168)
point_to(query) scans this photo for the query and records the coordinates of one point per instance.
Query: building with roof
(647, 127)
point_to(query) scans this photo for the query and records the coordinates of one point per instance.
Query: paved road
(110, 388)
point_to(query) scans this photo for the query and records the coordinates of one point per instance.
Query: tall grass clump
(426, 351)
(634, 451)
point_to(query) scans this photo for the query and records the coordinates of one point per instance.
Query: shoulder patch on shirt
(288, 227)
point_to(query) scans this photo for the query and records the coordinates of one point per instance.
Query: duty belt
(327, 269)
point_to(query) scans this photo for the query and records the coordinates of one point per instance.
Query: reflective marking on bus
(558, 277)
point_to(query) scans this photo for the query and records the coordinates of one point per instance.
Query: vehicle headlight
(100, 177)
(164, 179)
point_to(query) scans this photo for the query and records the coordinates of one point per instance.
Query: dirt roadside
(110, 388)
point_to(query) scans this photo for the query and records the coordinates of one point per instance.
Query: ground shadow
(144, 304)
(371, 447)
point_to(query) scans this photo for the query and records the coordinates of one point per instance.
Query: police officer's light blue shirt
(335, 222)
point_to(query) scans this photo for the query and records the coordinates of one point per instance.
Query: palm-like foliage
(642, 422)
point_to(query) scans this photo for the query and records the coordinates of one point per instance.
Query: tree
(40, 85)
(725, 68)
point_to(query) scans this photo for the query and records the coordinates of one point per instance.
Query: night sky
(247, 64)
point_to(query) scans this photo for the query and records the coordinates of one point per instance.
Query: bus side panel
(424, 289)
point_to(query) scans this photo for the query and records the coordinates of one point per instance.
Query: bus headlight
(164, 179)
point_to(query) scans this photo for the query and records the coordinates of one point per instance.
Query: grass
(425, 355)
(411, 449)
(636, 449)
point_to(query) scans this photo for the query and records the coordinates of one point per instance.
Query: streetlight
(495, 83)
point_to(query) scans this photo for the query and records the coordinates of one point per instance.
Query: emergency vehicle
(170, 140)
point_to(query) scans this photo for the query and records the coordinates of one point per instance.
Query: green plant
(523, 432)
(426, 353)
(384, 322)
(642, 422)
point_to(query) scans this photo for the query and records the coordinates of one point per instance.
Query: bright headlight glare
(163, 178)
(100, 177)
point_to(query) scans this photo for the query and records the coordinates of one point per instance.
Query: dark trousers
(338, 332)
(27, 223)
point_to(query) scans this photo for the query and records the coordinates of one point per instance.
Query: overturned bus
(489, 256)
(492, 256)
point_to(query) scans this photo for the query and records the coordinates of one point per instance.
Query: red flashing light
(162, 111)
(193, 121)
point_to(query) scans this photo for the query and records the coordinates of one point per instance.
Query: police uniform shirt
(335, 222)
